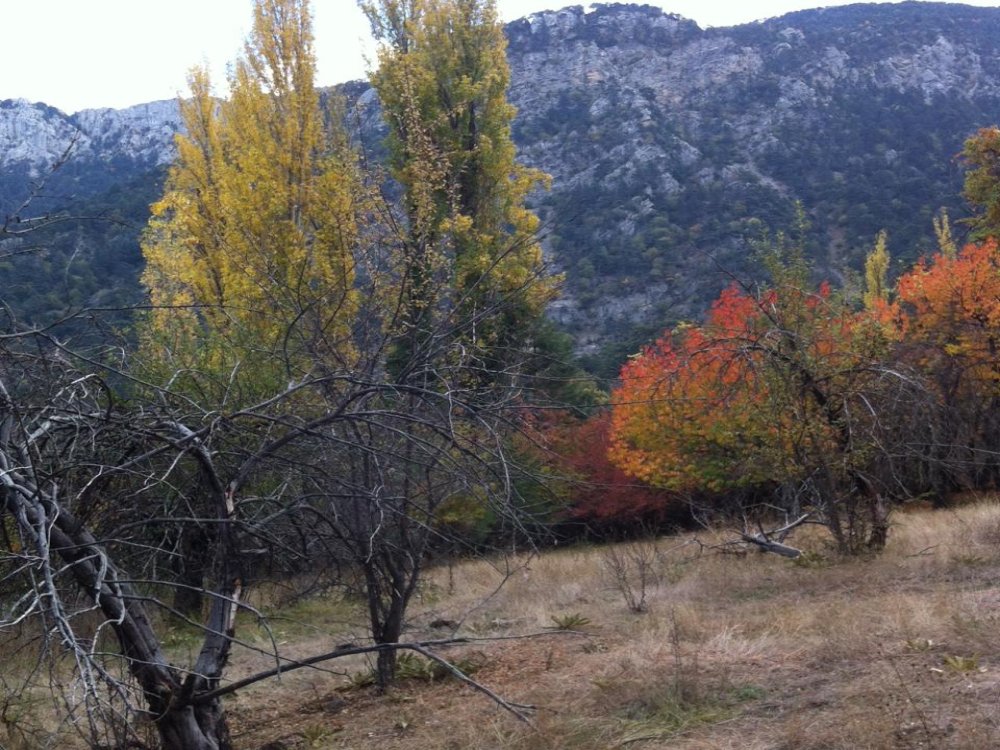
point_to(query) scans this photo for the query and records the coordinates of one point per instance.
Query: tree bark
(189, 598)
(195, 727)
(879, 534)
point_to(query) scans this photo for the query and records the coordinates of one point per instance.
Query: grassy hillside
(734, 652)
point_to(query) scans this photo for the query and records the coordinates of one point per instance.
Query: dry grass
(749, 653)
(752, 652)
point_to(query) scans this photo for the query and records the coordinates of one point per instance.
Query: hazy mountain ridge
(672, 146)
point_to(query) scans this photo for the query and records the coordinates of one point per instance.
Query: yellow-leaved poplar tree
(442, 79)
(249, 254)
(876, 272)
(942, 231)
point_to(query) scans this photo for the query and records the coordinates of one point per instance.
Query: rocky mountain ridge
(672, 148)
(38, 135)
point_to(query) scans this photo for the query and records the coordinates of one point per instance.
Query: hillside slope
(672, 149)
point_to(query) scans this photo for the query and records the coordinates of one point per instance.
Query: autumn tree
(877, 268)
(442, 78)
(943, 233)
(784, 391)
(981, 156)
(250, 261)
(250, 254)
(687, 414)
(948, 314)
(472, 284)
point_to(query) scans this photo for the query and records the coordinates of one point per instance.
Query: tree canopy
(251, 251)
(442, 78)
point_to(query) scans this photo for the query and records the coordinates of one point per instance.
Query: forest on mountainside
(673, 150)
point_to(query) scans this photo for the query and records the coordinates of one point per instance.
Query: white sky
(77, 54)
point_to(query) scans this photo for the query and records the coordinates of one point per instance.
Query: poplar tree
(942, 232)
(249, 261)
(876, 272)
(250, 251)
(442, 79)
(471, 284)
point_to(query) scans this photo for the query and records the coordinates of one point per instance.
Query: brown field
(751, 652)
(746, 652)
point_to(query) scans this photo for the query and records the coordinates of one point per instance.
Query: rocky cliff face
(671, 147)
(144, 133)
(34, 134)
(38, 135)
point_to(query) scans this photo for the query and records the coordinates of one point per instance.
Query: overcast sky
(77, 54)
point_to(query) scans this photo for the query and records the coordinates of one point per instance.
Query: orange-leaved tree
(951, 308)
(688, 412)
(785, 390)
(948, 313)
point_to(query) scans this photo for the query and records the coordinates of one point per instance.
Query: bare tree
(365, 474)
(106, 479)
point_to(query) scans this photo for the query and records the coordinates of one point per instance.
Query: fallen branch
(517, 709)
(763, 540)
(767, 545)
(420, 647)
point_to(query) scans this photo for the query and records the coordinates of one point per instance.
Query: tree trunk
(879, 533)
(194, 727)
(387, 631)
(189, 598)
(385, 668)
(388, 591)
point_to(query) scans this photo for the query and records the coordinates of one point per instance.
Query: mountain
(672, 149)
(94, 149)
(95, 173)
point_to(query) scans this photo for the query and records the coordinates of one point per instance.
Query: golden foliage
(443, 79)
(249, 252)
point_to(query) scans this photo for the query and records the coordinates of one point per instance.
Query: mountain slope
(671, 147)
(98, 170)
